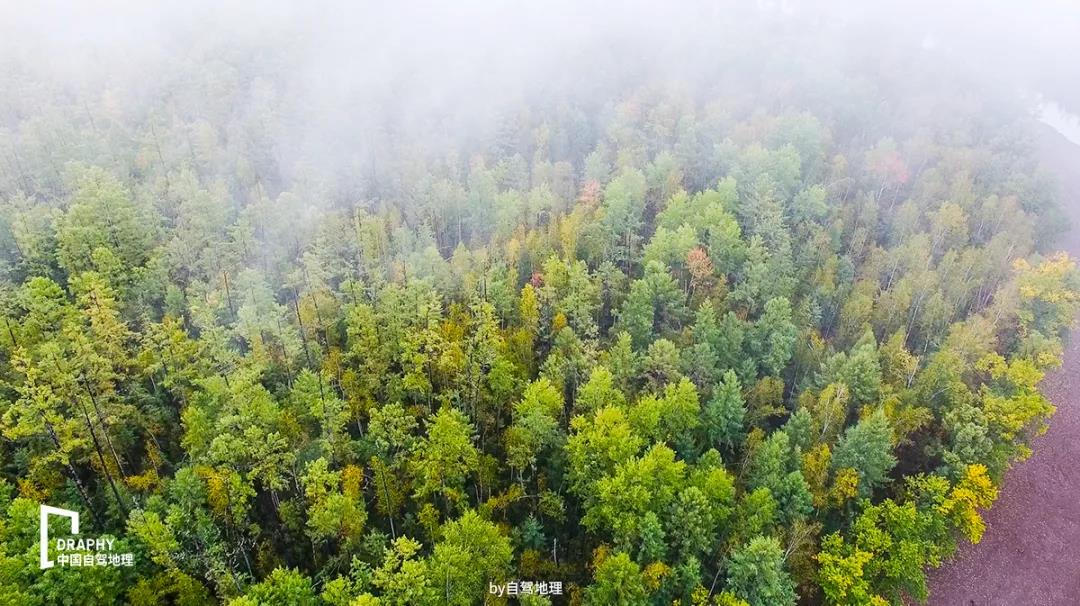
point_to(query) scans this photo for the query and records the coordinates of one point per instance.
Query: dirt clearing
(1030, 554)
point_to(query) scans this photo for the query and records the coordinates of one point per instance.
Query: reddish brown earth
(1030, 554)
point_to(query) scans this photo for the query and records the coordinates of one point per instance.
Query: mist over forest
(334, 92)
(710, 303)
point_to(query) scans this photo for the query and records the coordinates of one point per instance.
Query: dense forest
(758, 337)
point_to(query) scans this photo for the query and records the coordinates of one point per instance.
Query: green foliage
(866, 447)
(725, 414)
(445, 457)
(776, 467)
(102, 224)
(599, 392)
(624, 205)
(654, 305)
(738, 354)
(860, 371)
(640, 485)
(471, 553)
(536, 423)
(756, 573)
(772, 339)
(282, 586)
(618, 583)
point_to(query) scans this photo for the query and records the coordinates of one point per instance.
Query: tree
(756, 573)
(729, 346)
(472, 552)
(1047, 293)
(654, 305)
(701, 362)
(866, 447)
(597, 446)
(536, 423)
(30, 225)
(776, 466)
(640, 485)
(443, 460)
(973, 491)
(1011, 402)
(102, 217)
(391, 430)
(312, 395)
(671, 247)
(403, 577)
(623, 361)
(624, 204)
(618, 583)
(903, 539)
(282, 586)
(660, 365)
(860, 371)
(692, 523)
(841, 574)
(332, 513)
(599, 392)
(569, 291)
(772, 340)
(672, 418)
(725, 413)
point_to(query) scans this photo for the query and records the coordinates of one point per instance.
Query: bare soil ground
(1030, 554)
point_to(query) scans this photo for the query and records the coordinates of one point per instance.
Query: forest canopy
(768, 330)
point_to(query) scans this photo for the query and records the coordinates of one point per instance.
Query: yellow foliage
(352, 477)
(905, 419)
(843, 576)
(815, 468)
(569, 226)
(700, 596)
(217, 493)
(153, 454)
(829, 410)
(654, 575)
(30, 490)
(429, 518)
(1022, 407)
(600, 554)
(144, 481)
(1020, 372)
(845, 486)
(558, 322)
(291, 427)
(725, 598)
(974, 491)
(1046, 281)
(1047, 291)
(504, 499)
(531, 563)
(753, 442)
(898, 365)
(529, 307)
